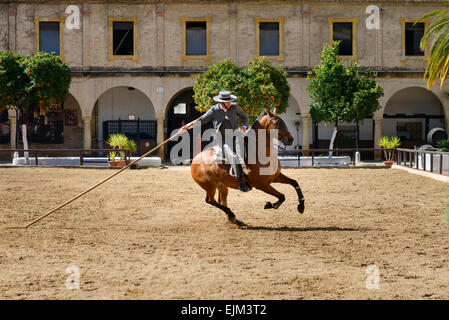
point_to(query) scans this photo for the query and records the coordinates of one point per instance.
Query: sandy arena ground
(148, 234)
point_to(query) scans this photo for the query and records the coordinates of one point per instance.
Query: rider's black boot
(243, 185)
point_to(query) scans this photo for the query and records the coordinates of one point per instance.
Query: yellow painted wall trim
(61, 21)
(354, 22)
(184, 56)
(426, 51)
(280, 20)
(111, 56)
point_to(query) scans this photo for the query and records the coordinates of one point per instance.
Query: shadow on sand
(291, 229)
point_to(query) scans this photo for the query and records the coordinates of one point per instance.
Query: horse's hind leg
(270, 190)
(284, 179)
(223, 195)
(210, 199)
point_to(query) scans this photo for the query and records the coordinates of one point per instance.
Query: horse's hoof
(301, 206)
(237, 222)
(240, 223)
(268, 205)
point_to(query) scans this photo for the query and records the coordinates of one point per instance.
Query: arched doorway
(124, 110)
(410, 114)
(181, 110)
(58, 128)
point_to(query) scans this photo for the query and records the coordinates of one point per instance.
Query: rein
(279, 146)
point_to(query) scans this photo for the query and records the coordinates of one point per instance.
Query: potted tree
(120, 141)
(389, 144)
(340, 93)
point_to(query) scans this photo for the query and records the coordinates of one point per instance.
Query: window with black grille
(413, 34)
(196, 38)
(342, 31)
(123, 38)
(49, 40)
(269, 39)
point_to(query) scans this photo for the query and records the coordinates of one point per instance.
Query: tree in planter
(258, 86)
(13, 81)
(340, 93)
(32, 85)
(120, 141)
(389, 144)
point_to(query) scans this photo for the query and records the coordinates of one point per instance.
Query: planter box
(75, 161)
(335, 161)
(116, 163)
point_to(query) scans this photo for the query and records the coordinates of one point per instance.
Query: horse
(210, 175)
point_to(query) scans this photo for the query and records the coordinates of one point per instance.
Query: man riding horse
(224, 116)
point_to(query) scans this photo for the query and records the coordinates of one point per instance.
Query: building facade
(136, 61)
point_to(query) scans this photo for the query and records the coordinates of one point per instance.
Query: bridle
(283, 131)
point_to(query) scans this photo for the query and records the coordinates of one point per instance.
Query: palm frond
(438, 63)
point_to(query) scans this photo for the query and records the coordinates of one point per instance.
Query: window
(123, 39)
(49, 36)
(409, 130)
(196, 38)
(344, 30)
(343, 33)
(411, 37)
(269, 37)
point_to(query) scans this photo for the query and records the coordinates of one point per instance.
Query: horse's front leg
(284, 179)
(270, 190)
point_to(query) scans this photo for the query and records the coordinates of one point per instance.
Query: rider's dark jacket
(223, 120)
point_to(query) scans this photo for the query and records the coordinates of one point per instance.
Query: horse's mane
(257, 120)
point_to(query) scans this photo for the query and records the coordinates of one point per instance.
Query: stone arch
(410, 113)
(122, 102)
(181, 110)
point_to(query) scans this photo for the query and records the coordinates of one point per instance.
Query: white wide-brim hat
(225, 96)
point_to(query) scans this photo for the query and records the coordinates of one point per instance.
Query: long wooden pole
(188, 126)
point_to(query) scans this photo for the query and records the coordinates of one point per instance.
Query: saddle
(219, 156)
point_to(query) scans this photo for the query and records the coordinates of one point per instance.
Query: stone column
(86, 36)
(378, 42)
(12, 127)
(377, 136)
(233, 42)
(160, 35)
(87, 132)
(160, 136)
(306, 34)
(305, 124)
(12, 11)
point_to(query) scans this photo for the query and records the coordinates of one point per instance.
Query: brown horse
(212, 176)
